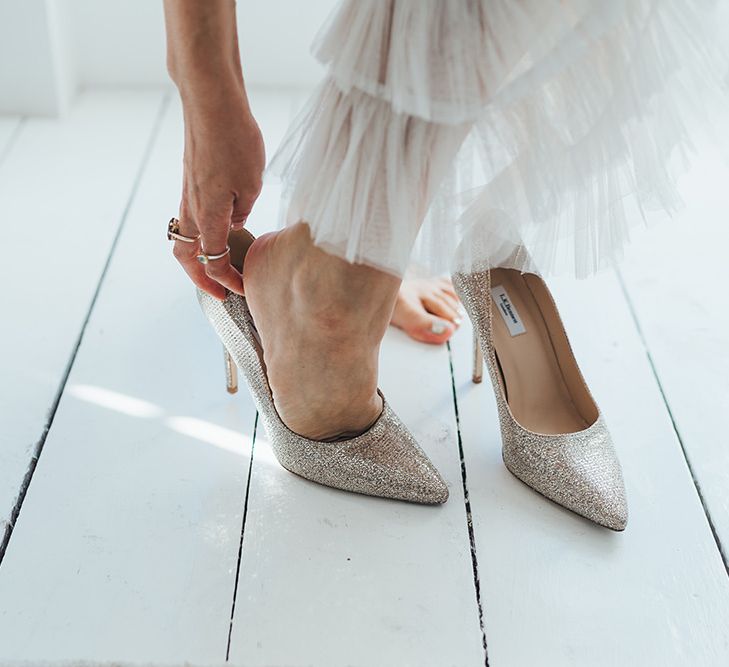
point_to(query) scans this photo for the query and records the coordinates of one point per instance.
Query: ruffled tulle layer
(548, 126)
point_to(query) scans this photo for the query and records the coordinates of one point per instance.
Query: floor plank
(126, 546)
(676, 277)
(558, 590)
(64, 185)
(362, 565)
(329, 578)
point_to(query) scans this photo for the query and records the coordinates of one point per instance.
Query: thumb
(214, 228)
(242, 207)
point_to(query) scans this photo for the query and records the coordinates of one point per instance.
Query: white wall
(123, 43)
(36, 63)
(117, 42)
(50, 48)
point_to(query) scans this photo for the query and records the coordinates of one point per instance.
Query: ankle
(342, 300)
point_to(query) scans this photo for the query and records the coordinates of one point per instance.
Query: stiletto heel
(231, 373)
(477, 376)
(383, 461)
(553, 435)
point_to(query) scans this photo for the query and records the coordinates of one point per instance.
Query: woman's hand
(224, 154)
(223, 167)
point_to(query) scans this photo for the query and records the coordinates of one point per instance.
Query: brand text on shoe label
(508, 311)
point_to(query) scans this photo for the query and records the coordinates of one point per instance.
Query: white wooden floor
(145, 519)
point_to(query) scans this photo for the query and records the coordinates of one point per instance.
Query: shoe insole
(537, 392)
(240, 241)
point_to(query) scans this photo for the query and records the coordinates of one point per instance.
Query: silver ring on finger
(204, 258)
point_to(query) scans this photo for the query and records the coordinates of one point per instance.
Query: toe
(428, 328)
(446, 289)
(418, 323)
(449, 296)
(440, 306)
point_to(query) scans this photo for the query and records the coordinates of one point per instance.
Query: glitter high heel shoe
(554, 437)
(383, 461)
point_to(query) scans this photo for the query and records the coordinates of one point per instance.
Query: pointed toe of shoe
(407, 473)
(385, 461)
(579, 471)
(599, 493)
(617, 521)
(399, 470)
(609, 507)
(415, 477)
(439, 494)
(592, 486)
(430, 488)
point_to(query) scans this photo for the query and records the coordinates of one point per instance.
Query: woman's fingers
(222, 272)
(214, 241)
(210, 273)
(186, 255)
(241, 210)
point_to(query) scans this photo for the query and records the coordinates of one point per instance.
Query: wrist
(205, 69)
(205, 90)
(203, 59)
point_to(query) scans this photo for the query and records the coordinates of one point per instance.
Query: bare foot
(321, 321)
(427, 309)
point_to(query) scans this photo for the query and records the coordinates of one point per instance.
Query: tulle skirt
(547, 126)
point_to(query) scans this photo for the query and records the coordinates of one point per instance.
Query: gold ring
(204, 258)
(173, 233)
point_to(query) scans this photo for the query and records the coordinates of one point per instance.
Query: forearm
(202, 49)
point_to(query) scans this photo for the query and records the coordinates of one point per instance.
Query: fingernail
(438, 327)
(458, 321)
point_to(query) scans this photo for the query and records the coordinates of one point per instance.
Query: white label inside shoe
(508, 310)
